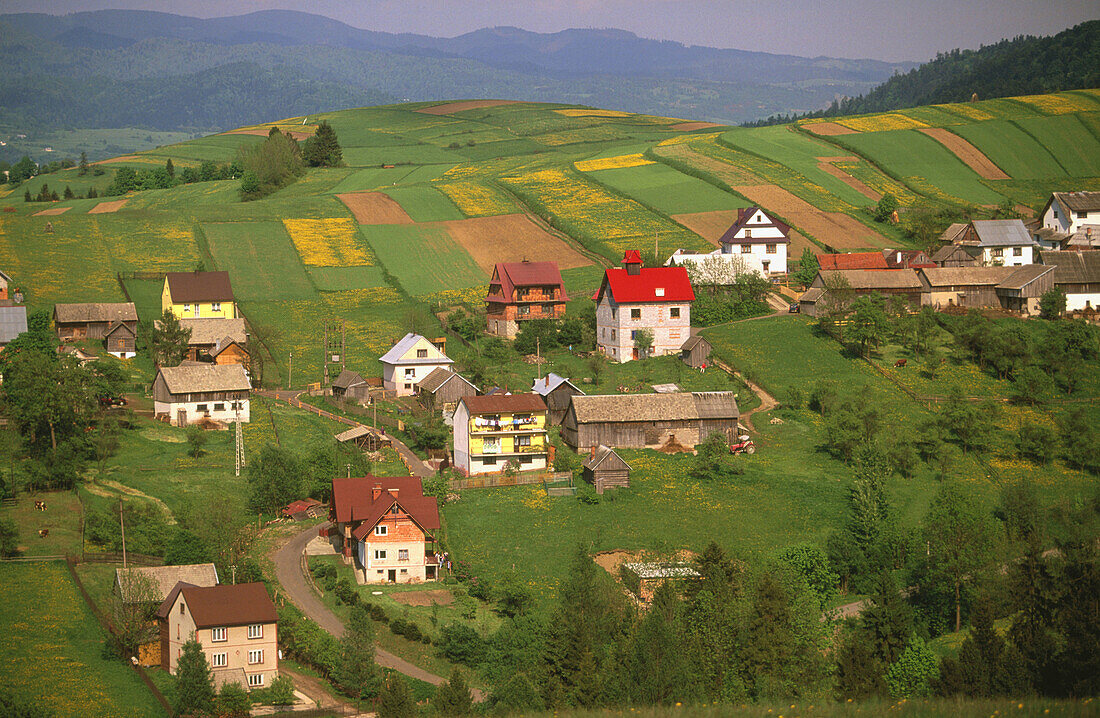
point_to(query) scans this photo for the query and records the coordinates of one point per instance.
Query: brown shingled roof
(200, 286)
(95, 312)
(225, 605)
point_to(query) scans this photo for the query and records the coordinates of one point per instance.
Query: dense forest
(1025, 65)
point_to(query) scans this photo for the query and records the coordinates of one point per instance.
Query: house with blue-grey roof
(999, 243)
(13, 322)
(409, 361)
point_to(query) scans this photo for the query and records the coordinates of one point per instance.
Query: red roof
(632, 256)
(224, 605)
(509, 275)
(853, 260)
(651, 284)
(299, 506)
(353, 500)
(743, 216)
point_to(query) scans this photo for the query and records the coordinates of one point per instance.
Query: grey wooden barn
(695, 352)
(605, 469)
(351, 386)
(441, 390)
(653, 420)
(556, 391)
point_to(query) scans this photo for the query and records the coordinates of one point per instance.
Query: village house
(843, 285)
(351, 386)
(152, 584)
(1015, 289)
(5, 280)
(907, 259)
(492, 433)
(648, 420)
(1070, 220)
(632, 299)
(998, 243)
(852, 260)
(555, 392)
(221, 340)
(759, 239)
(13, 322)
(521, 291)
(409, 361)
(956, 255)
(695, 351)
(198, 295)
(385, 525)
(441, 390)
(236, 626)
(605, 469)
(194, 392)
(1078, 275)
(115, 323)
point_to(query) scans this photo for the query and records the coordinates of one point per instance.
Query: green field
(666, 190)
(335, 279)
(146, 296)
(52, 648)
(1075, 147)
(425, 204)
(423, 259)
(399, 155)
(1012, 149)
(218, 148)
(260, 258)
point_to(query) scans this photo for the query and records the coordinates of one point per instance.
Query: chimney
(632, 262)
(376, 492)
(393, 492)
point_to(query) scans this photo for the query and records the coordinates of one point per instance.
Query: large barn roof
(196, 377)
(95, 312)
(655, 407)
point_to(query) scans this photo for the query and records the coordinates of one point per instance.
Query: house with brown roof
(498, 431)
(195, 392)
(236, 626)
(648, 420)
(695, 351)
(198, 295)
(633, 299)
(150, 585)
(115, 323)
(844, 285)
(1015, 289)
(441, 390)
(521, 291)
(351, 386)
(221, 340)
(955, 255)
(759, 239)
(1078, 275)
(386, 525)
(555, 390)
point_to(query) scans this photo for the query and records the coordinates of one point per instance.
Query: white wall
(393, 376)
(613, 329)
(227, 414)
(462, 438)
(1008, 256)
(1079, 301)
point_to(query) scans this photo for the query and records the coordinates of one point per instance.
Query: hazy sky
(881, 29)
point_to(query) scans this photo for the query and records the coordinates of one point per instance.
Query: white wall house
(1068, 212)
(409, 361)
(632, 299)
(190, 392)
(1002, 242)
(760, 240)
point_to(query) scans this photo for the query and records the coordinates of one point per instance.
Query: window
(256, 630)
(748, 234)
(771, 249)
(410, 373)
(381, 530)
(181, 609)
(219, 407)
(998, 252)
(186, 307)
(489, 461)
(219, 660)
(1018, 251)
(216, 306)
(256, 656)
(409, 387)
(612, 333)
(524, 310)
(523, 441)
(635, 313)
(746, 249)
(421, 353)
(525, 459)
(404, 570)
(395, 509)
(1082, 215)
(380, 555)
(674, 313)
(217, 634)
(202, 407)
(633, 334)
(255, 680)
(402, 554)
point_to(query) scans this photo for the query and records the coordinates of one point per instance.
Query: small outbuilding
(351, 386)
(121, 340)
(605, 469)
(556, 392)
(365, 438)
(695, 352)
(442, 389)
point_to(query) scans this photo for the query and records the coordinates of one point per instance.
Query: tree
(771, 649)
(912, 674)
(959, 539)
(106, 440)
(22, 170)
(83, 166)
(867, 322)
(323, 149)
(858, 670)
(986, 666)
(1037, 442)
(9, 539)
(713, 461)
(275, 162)
(1080, 440)
(168, 340)
(196, 439)
(134, 611)
(887, 623)
(49, 397)
(808, 268)
(170, 169)
(1032, 585)
(885, 208)
(395, 700)
(810, 562)
(275, 477)
(194, 683)
(1052, 304)
(68, 193)
(233, 701)
(1032, 386)
(643, 342)
(358, 674)
(517, 695)
(657, 668)
(453, 698)
(512, 594)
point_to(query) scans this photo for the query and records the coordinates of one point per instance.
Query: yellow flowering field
(881, 123)
(332, 242)
(686, 138)
(584, 134)
(470, 296)
(582, 112)
(612, 163)
(967, 110)
(475, 199)
(1061, 104)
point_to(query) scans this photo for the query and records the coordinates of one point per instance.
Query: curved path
(767, 401)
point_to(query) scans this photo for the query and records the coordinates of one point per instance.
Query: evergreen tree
(887, 622)
(517, 695)
(770, 649)
(713, 627)
(453, 697)
(168, 340)
(27, 196)
(1032, 587)
(323, 149)
(83, 166)
(1076, 616)
(68, 193)
(858, 669)
(170, 169)
(986, 666)
(395, 699)
(194, 683)
(233, 701)
(657, 668)
(358, 674)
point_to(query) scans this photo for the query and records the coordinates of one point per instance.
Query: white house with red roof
(634, 298)
(760, 240)
(386, 523)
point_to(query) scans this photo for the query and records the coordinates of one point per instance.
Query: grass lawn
(61, 518)
(1072, 144)
(424, 259)
(1012, 149)
(52, 648)
(260, 258)
(146, 295)
(399, 155)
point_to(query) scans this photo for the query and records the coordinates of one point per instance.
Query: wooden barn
(1016, 289)
(75, 322)
(648, 420)
(605, 469)
(121, 340)
(222, 340)
(441, 390)
(695, 352)
(351, 386)
(556, 391)
(365, 437)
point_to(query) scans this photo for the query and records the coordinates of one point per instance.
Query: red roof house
(519, 291)
(853, 260)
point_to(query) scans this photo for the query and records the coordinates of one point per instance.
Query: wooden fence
(137, 559)
(522, 478)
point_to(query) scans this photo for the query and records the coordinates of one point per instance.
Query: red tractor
(743, 445)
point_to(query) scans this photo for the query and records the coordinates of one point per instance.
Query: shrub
(481, 588)
(345, 592)
(461, 644)
(377, 613)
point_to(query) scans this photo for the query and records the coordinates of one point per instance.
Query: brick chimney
(376, 492)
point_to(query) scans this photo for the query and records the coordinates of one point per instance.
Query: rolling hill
(433, 194)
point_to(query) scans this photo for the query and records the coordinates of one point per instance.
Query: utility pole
(290, 371)
(122, 526)
(538, 356)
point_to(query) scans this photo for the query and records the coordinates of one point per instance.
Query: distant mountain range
(161, 71)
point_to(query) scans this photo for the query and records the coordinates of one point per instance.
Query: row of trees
(279, 160)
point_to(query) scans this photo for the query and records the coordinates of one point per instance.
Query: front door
(634, 354)
(391, 575)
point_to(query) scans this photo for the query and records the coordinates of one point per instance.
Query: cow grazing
(43, 533)
(900, 363)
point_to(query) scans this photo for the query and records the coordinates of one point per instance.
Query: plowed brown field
(52, 211)
(104, 207)
(827, 129)
(450, 107)
(299, 135)
(511, 238)
(825, 164)
(374, 208)
(712, 225)
(968, 153)
(836, 229)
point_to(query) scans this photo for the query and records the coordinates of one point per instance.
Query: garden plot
(825, 164)
(971, 156)
(402, 154)
(375, 208)
(828, 129)
(331, 242)
(425, 204)
(106, 207)
(692, 126)
(260, 259)
(511, 238)
(52, 211)
(1012, 149)
(835, 229)
(1069, 140)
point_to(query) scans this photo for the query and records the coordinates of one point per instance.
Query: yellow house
(198, 295)
(498, 431)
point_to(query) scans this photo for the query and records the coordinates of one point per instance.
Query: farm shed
(351, 386)
(441, 390)
(208, 334)
(641, 420)
(843, 285)
(74, 322)
(1015, 289)
(606, 469)
(643, 579)
(954, 255)
(555, 391)
(1078, 275)
(695, 351)
(13, 322)
(365, 438)
(121, 340)
(192, 392)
